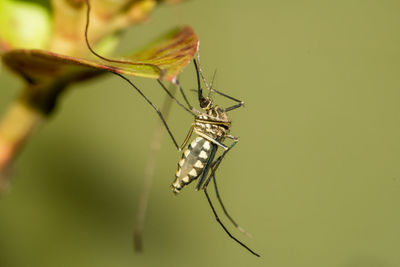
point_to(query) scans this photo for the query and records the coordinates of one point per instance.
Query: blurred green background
(315, 177)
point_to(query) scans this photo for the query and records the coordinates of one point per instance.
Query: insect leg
(232, 137)
(207, 167)
(203, 182)
(212, 140)
(129, 81)
(216, 163)
(223, 226)
(214, 168)
(176, 100)
(227, 96)
(241, 229)
(183, 94)
(199, 71)
(153, 106)
(187, 138)
(240, 103)
(234, 107)
(179, 148)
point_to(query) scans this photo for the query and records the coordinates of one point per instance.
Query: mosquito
(212, 127)
(198, 161)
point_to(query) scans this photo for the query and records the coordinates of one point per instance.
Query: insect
(212, 126)
(198, 161)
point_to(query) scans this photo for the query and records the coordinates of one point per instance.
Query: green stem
(17, 125)
(149, 174)
(36, 103)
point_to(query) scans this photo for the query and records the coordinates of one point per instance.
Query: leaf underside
(164, 59)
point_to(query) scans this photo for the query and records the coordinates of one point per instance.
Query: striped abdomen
(192, 163)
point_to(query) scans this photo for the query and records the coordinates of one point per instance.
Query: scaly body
(211, 128)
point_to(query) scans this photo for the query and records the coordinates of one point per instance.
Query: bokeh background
(315, 177)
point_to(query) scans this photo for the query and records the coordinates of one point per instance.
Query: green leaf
(162, 59)
(23, 25)
(106, 18)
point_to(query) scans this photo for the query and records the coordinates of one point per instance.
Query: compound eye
(205, 102)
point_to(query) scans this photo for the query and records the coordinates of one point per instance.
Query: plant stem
(17, 125)
(149, 174)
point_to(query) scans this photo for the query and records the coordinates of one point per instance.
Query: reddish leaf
(164, 58)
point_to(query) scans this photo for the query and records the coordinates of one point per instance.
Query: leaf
(162, 59)
(23, 24)
(171, 53)
(107, 18)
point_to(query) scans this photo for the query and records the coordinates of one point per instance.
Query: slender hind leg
(214, 166)
(153, 106)
(131, 83)
(241, 229)
(176, 100)
(223, 226)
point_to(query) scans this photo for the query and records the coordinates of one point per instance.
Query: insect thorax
(214, 123)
